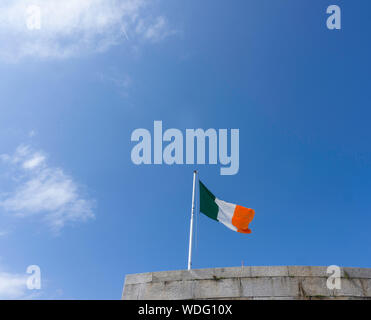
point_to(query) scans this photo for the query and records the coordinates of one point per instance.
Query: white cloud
(74, 27)
(122, 82)
(36, 160)
(156, 30)
(44, 191)
(12, 286)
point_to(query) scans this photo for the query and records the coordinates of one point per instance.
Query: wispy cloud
(43, 191)
(15, 285)
(121, 82)
(155, 30)
(74, 27)
(12, 286)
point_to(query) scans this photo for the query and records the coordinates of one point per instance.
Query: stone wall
(281, 282)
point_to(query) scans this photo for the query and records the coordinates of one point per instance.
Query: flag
(236, 218)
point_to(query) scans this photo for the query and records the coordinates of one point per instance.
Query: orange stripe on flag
(241, 218)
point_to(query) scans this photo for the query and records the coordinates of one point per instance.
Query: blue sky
(73, 203)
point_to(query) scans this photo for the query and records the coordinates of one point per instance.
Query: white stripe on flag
(225, 213)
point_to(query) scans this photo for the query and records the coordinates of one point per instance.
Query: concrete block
(138, 278)
(236, 272)
(176, 275)
(361, 273)
(304, 271)
(313, 287)
(200, 274)
(270, 271)
(172, 290)
(132, 292)
(248, 283)
(354, 288)
(269, 287)
(213, 289)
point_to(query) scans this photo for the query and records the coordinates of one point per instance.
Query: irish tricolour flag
(231, 215)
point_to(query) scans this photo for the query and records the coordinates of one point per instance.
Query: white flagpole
(191, 226)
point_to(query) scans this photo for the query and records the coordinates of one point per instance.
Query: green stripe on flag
(207, 202)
